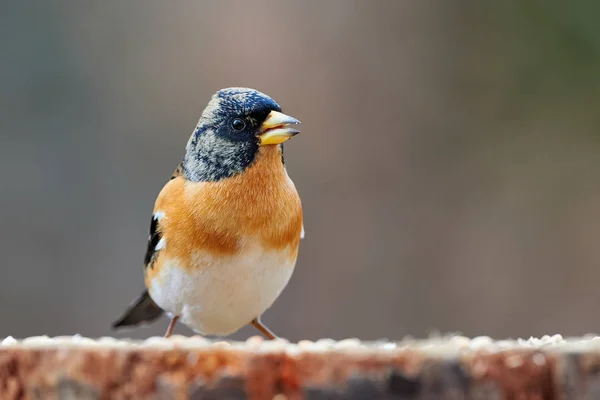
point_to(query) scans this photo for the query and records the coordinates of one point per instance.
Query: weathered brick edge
(230, 373)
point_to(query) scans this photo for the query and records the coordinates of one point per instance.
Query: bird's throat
(210, 158)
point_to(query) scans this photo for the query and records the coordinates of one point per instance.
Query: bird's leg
(263, 329)
(171, 326)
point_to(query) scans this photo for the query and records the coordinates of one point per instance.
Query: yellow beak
(276, 129)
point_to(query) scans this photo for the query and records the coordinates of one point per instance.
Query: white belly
(218, 296)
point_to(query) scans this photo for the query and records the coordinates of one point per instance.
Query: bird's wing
(178, 171)
(144, 309)
(154, 239)
(153, 246)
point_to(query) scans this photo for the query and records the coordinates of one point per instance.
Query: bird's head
(233, 127)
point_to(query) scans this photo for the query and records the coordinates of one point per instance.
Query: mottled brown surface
(243, 372)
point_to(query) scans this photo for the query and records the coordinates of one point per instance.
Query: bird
(226, 227)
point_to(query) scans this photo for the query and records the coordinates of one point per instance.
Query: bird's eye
(238, 124)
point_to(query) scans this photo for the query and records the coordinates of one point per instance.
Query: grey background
(448, 162)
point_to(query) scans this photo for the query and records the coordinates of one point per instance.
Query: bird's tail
(143, 309)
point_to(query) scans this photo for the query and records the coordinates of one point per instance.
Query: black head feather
(225, 140)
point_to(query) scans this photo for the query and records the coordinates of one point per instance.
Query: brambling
(226, 228)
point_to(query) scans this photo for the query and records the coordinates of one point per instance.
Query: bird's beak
(276, 128)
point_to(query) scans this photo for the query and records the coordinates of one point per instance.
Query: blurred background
(449, 160)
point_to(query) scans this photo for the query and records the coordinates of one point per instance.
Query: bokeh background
(449, 160)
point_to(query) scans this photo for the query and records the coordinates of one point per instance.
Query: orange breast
(261, 205)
